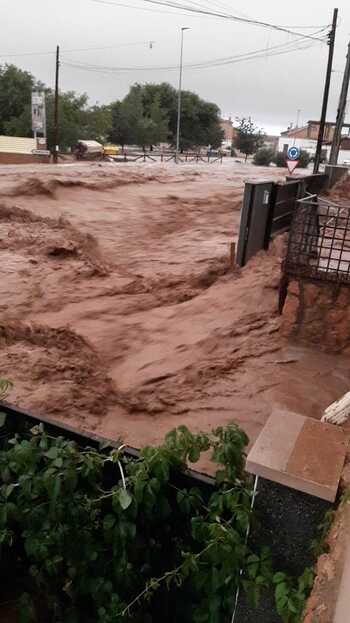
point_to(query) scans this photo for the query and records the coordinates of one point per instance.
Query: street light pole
(179, 95)
(56, 110)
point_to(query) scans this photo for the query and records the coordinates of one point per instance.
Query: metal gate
(268, 209)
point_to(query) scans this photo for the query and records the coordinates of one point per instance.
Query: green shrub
(304, 159)
(280, 159)
(94, 537)
(264, 157)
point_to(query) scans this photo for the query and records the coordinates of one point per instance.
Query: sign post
(38, 113)
(293, 156)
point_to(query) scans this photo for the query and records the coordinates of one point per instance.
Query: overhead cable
(228, 16)
(64, 50)
(283, 48)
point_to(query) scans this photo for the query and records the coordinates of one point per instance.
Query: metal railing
(268, 209)
(167, 156)
(319, 241)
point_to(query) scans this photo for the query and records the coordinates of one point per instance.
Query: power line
(225, 7)
(51, 52)
(139, 8)
(197, 11)
(228, 16)
(283, 48)
(222, 6)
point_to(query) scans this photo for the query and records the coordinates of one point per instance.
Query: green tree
(168, 102)
(121, 130)
(158, 123)
(98, 123)
(77, 120)
(21, 125)
(133, 105)
(15, 97)
(134, 122)
(72, 115)
(156, 119)
(249, 138)
(146, 116)
(200, 123)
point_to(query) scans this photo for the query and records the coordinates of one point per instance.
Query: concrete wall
(8, 158)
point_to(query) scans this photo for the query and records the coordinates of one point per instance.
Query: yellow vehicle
(111, 150)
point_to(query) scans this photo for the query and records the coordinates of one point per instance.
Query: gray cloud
(271, 89)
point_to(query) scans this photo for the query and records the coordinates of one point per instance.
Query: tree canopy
(146, 116)
(15, 95)
(249, 138)
(136, 122)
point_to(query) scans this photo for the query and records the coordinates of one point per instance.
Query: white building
(306, 138)
(307, 144)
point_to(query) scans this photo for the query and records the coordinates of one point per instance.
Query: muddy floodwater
(120, 314)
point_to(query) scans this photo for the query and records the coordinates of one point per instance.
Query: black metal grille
(319, 241)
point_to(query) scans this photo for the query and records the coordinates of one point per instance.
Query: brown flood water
(119, 311)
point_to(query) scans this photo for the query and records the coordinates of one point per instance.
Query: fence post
(244, 223)
(272, 203)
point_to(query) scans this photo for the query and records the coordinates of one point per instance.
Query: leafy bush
(290, 594)
(304, 159)
(264, 157)
(280, 159)
(96, 537)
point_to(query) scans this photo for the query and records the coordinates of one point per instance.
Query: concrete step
(300, 453)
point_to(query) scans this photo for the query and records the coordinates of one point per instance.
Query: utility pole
(179, 95)
(331, 42)
(333, 159)
(56, 116)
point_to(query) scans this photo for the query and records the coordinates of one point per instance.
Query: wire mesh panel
(319, 241)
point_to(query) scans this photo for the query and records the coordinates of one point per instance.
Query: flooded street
(120, 312)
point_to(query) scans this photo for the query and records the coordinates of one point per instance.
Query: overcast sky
(270, 89)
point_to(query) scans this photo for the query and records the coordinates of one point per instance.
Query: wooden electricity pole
(331, 42)
(333, 159)
(56, 115)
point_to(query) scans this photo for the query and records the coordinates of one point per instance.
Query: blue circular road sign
(293, 153)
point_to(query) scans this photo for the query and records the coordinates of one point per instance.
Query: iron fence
(319, 241)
